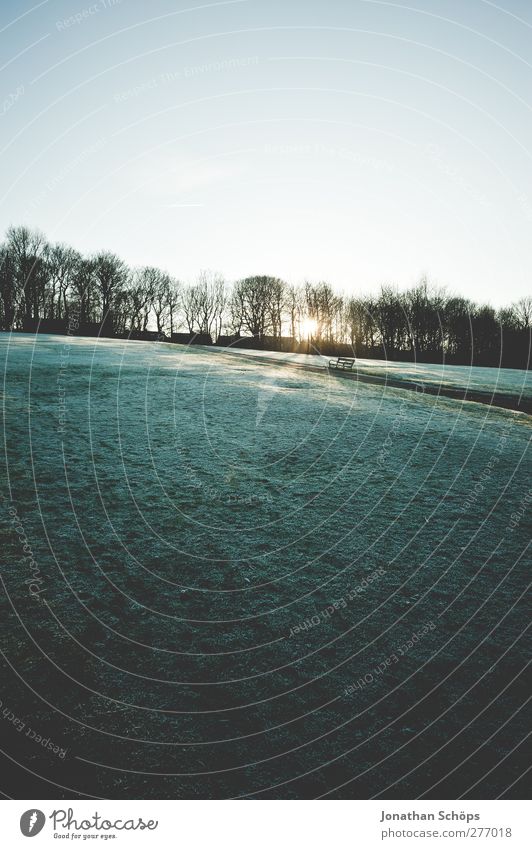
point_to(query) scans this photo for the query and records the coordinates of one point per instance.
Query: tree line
(41, 281)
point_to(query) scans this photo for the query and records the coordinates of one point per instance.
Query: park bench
(342, 363)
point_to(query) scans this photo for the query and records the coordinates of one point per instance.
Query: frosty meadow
(189, 508)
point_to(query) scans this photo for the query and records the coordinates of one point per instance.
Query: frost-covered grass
(480, 379)
(226, 546)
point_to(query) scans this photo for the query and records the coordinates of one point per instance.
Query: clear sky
(357, 141)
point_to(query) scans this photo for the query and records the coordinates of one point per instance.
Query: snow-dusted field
(232, 558)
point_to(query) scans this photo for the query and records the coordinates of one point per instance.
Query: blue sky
(360, 142)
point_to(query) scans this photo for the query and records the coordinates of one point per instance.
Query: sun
(308, 328)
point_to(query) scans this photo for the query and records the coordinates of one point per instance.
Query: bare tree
(209, 298)
(146, 283)
(523, 312)
(357, 322)
(138, 300)
(191, 308)
(236, 309)
(457, 327)
(9, 294)
(27, 248)
(294, 306)
(220, 303)
(173, 297)
(276, 307)
(111, 275)
(424, 308)
(391, 320)
(84, 292)
(62, 262)
(323, 306)
(160, 301)
(486, 336)
(253, 305)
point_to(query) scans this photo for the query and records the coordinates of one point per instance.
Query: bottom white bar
(266, 824)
